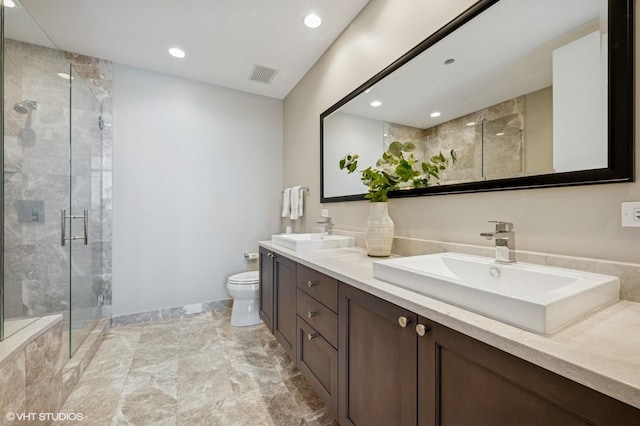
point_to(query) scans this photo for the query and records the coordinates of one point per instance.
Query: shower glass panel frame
(85, 213)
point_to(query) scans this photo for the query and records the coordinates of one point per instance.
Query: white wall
(578, 221)
(350, 134)
(196, 182)
(577, 105)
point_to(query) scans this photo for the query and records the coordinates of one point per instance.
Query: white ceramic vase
(378, 230)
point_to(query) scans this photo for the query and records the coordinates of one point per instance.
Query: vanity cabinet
(317, 322)
(399, 368)
(464, 381)
(278, 298)
(375, 363)
(266, 287)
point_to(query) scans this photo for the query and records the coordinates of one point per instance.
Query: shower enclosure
(52, 186)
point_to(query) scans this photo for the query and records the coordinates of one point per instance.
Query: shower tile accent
(170, 313)
(76, 366)
(13, 385)
(31, 369)
(33, 375)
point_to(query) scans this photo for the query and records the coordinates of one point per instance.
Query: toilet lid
(252, 277)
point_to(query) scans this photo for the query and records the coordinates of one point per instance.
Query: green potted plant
(397, 169)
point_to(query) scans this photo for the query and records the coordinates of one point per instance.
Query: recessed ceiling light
(65, 76)
(376, 104)
(449, 61)
(367, 91)
(177, 53)
(312, 20)
(471, 123)
(8, 3)
(435, 114)
(500, 134)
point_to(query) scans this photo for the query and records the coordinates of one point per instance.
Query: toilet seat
(245, 278)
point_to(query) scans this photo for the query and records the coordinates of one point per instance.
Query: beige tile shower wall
(581, 221)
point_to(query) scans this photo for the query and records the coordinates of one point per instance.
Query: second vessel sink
(315, 241)
(533, 297)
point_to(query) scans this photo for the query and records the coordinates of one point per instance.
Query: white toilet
(245, 290)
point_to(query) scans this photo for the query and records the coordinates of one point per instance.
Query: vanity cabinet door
(377, 361)
(284, 322)
(317, 359)
(266, 287)
(462, 381)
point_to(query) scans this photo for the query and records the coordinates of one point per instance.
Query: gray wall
(578, 221)
(197, 181)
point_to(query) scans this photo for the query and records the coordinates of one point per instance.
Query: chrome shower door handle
(86, 227)
(63, 227)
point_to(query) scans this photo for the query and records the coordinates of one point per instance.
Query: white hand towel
(295, 200)
(286, 202)
(300, 202)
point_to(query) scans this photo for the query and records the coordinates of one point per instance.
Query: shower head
(25, 107)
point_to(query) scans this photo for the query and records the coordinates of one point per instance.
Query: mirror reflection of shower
(27, 135)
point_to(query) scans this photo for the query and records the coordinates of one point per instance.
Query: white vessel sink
(304, 242)
(533, 297)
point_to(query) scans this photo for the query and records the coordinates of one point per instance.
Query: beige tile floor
(196, 370)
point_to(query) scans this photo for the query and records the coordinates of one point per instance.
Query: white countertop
(601, 351)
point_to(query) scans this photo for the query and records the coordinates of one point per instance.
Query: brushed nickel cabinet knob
(403, 321)
(421, 329)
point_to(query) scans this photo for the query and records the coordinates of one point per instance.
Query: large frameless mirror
(528, 94)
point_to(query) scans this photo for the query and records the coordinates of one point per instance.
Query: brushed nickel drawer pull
(311, 314)
(312, 336)
(311, 283)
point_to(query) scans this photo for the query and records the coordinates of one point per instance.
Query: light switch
(631, 214)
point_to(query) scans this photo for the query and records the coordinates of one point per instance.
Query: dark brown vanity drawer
(320, 286)
(319, 317)
(318, 361)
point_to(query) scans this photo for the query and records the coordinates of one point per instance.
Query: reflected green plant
(398, 168)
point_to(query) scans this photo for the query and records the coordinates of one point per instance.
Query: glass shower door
(36, 183)
(85, 215)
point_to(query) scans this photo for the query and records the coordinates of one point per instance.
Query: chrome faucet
(505, 239)
(328, 225)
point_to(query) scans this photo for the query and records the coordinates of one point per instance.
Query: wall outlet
(324, 213)
(631, 213)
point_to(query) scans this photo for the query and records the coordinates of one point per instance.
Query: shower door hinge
(102, 124)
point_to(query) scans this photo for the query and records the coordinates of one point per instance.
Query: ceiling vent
(263, 74)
